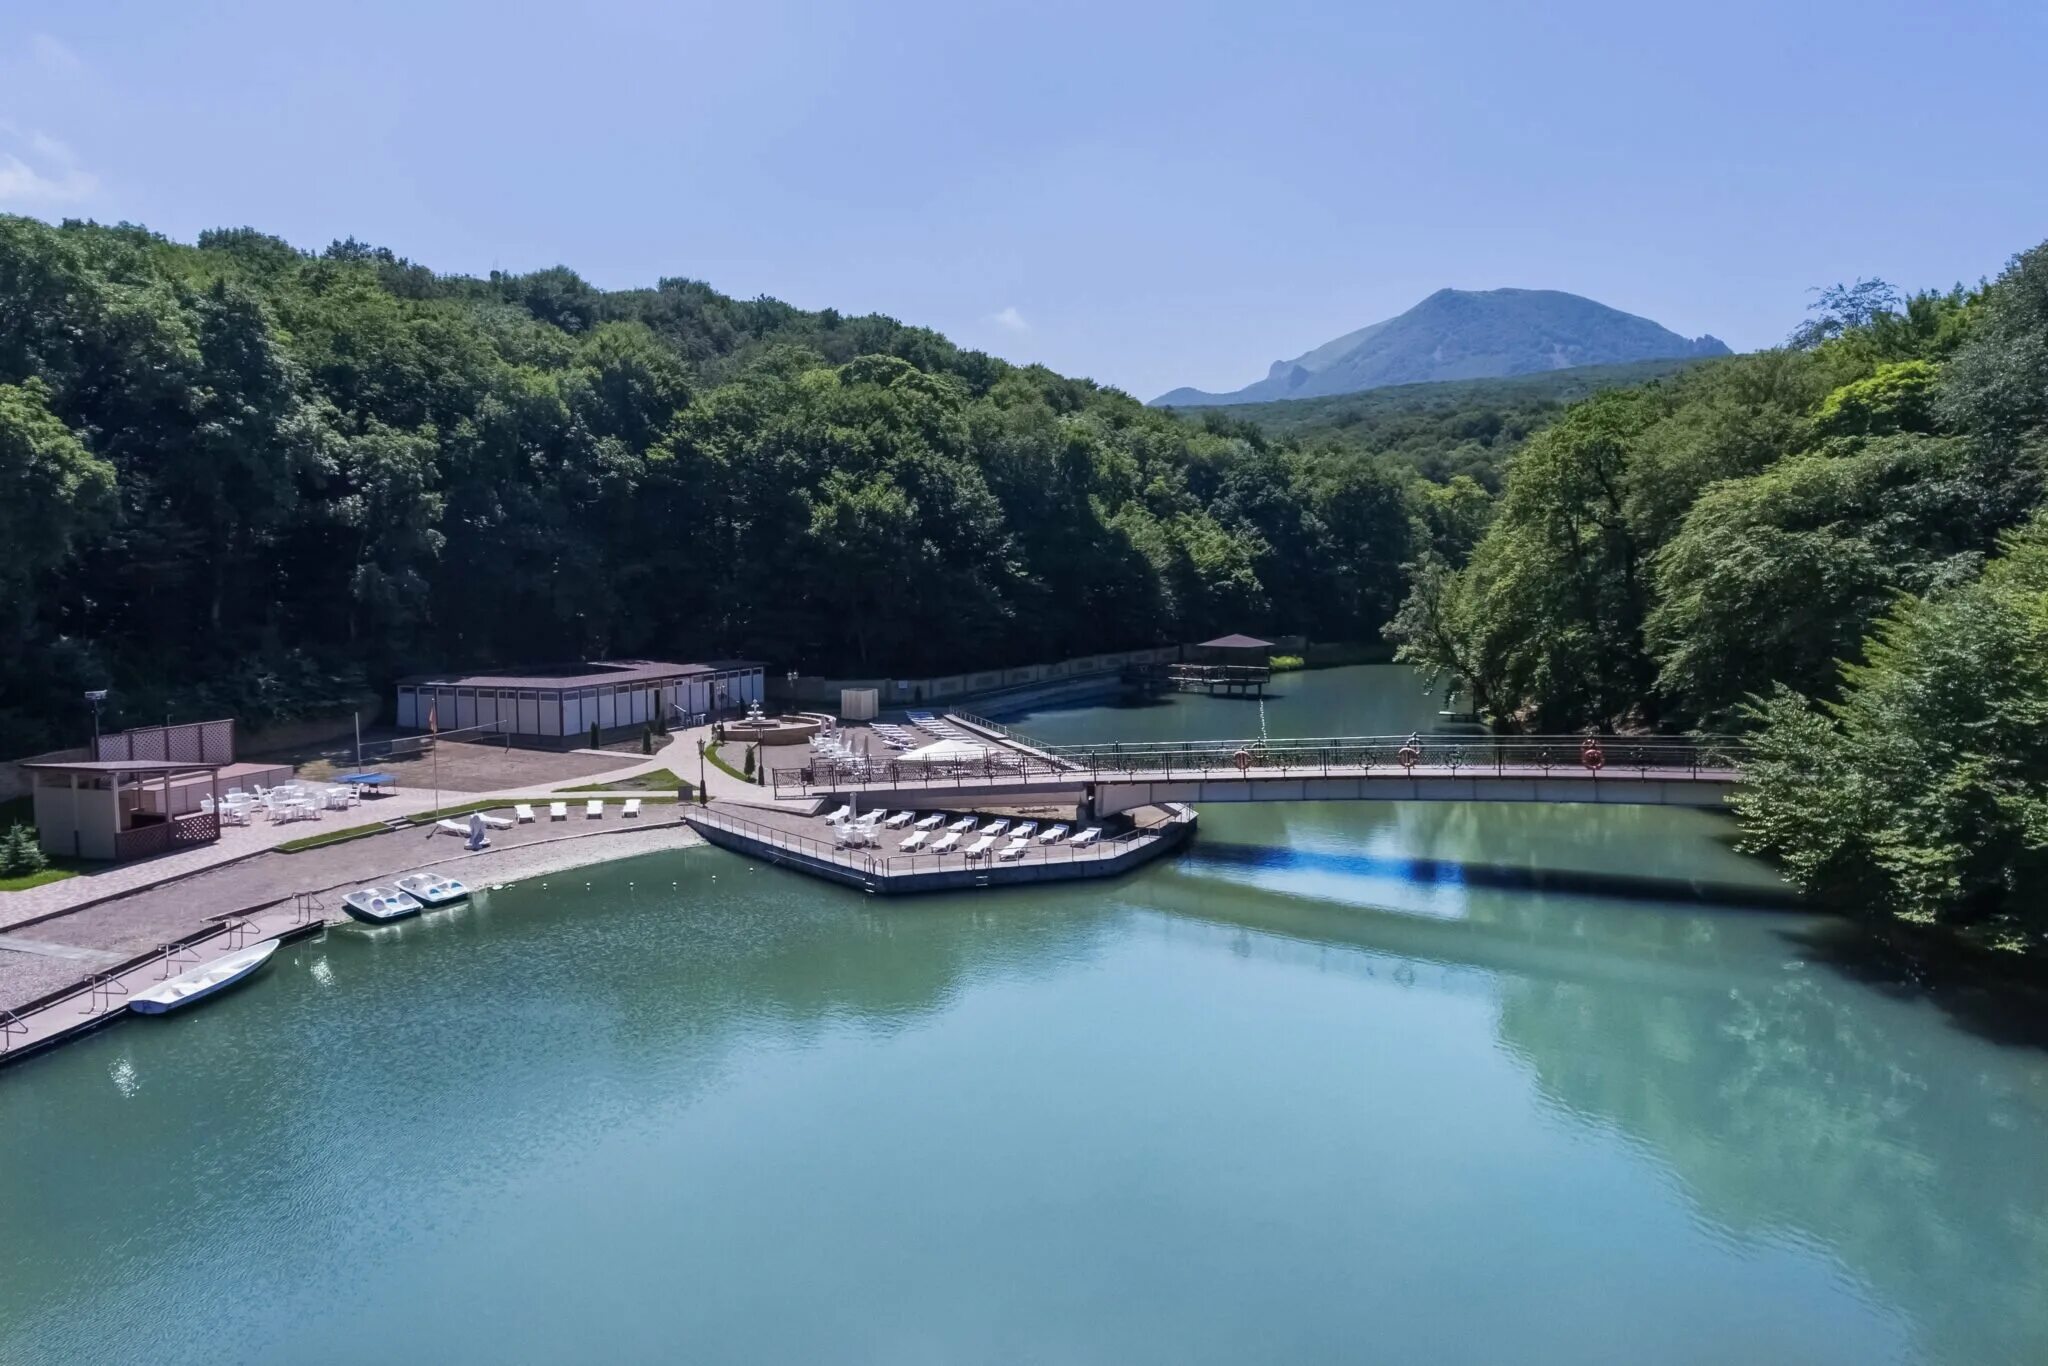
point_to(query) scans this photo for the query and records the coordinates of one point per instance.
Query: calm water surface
(1347, 1082)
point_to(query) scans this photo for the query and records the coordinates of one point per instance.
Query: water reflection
(1365, 1096)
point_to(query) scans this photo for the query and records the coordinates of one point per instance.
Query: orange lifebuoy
(1409, 756)
(1591, 755)
(1242, 759)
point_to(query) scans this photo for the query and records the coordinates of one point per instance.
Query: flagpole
(434, 734)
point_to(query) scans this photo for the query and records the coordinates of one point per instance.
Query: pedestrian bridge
(1016, 770)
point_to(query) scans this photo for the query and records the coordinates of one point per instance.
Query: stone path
(239, 842)
(58, 953)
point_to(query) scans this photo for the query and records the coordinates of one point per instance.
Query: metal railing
(875, 861)
(1718, 758)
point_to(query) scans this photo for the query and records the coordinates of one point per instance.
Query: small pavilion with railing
(1232, 666)
(120, 809)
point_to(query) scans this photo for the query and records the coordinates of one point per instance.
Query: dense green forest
(1837, 547)
(237, 477)
(1440, 430)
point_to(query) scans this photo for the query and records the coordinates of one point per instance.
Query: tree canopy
(239, 475)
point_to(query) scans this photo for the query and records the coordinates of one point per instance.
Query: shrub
(748, 767)
(1283, 663)
(647, 739)
(593, 735)
(20, 854)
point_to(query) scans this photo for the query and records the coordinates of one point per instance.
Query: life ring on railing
(1591, 755)
(1410, 756)
(1243, 759)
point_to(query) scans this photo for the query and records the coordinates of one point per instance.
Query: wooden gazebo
(1232, 665)
(118, 809)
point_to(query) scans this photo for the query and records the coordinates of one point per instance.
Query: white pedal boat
(431, 891)
(380, 905)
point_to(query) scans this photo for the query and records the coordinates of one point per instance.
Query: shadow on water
(2001, 1004)
(1452, 872)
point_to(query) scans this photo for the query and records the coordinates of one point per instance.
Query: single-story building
(556, 705)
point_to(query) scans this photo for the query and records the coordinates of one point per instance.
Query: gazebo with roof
(1228, 666)
(118, 809)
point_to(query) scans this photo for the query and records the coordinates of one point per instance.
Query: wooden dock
(1220, 680)
(103, 998)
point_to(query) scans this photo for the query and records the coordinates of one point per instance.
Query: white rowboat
(202, 981)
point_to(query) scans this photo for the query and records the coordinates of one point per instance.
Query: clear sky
(1151, 195)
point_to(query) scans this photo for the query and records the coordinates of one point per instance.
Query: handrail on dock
(108, 984)
(10, 1025)
(171, 952)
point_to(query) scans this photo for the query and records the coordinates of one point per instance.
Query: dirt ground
(473, 768)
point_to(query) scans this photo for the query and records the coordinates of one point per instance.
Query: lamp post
(96, 696)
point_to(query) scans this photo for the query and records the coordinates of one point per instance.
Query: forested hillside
(1837, 547)
(238, 477)
(1452, 427)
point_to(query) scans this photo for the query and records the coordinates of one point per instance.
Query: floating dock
(789, 840)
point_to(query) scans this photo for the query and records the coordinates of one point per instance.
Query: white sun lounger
(946, 844)
(900, 819)
(1054, 835)
(997, 828)
(1086, 837)
(631, 808)
(1025, 830)
(593, 810)
(915, 842)
(933, 821)
(524, 812)
(497, 823)
(980, 847)
(964, 825)
(558, 811)
(1015, 849)
(837, 816)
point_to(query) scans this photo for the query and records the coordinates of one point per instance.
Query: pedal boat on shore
(189, 988)
(380, 905)
(431, 891)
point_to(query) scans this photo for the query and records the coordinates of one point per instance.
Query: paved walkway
(71, 947)
(240, 842)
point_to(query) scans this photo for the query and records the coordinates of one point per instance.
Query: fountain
(757, 727)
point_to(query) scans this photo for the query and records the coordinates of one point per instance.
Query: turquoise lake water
(1345, 1082)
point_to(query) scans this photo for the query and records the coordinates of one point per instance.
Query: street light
(96, 696)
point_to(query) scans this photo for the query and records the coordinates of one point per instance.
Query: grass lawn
(719, 761)
(28, 880)
(659, 780)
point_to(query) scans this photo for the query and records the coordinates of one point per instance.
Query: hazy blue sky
(1151, 195)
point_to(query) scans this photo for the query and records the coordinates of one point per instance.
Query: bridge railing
(1713, 757)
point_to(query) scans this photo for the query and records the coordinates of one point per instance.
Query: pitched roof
(1235, 643)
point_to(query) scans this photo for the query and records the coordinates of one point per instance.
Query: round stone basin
(772, 730)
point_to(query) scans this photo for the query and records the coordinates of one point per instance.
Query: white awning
(946, 750)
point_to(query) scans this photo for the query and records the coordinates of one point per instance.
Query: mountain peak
(1465, 334)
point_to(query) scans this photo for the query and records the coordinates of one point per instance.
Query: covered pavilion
(119, 809)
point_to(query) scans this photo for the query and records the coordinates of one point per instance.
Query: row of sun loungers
(559, 811)
(850, 831)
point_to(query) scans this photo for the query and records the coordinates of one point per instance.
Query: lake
(1345, 1082)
